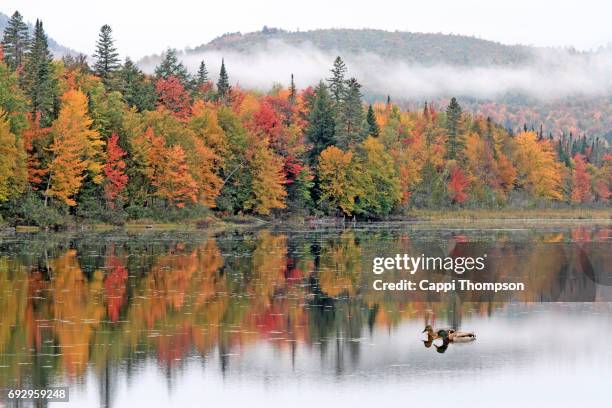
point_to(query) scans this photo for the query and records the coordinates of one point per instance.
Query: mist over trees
(112, 143)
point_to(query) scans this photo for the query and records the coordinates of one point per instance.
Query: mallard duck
(451, 334)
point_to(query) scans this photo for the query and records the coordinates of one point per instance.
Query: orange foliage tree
(76, 149)
(538, 169)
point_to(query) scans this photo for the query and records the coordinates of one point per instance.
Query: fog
(553, 73)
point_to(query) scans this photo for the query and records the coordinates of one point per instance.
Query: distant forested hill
(422, 48)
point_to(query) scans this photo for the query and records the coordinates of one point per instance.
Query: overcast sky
(146, 27)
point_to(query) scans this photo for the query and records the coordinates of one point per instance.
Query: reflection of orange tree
(77, 310)
(180, 291)
(13, 330)
(275, 310)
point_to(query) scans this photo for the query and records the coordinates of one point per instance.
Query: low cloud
(551, 75)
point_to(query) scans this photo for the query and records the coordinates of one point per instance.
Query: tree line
(109, 142)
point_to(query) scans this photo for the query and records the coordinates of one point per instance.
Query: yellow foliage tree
(269, 180)
(77, 149)
(13, 169)
(336, 172)
(537, 167)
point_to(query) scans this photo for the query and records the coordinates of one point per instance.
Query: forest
(101, 140)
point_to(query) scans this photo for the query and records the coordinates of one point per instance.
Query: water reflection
(73, 309)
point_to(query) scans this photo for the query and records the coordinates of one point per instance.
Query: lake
(288, 315)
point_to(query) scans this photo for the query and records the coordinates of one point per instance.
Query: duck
(452, 335)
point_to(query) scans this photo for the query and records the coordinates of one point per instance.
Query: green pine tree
(171, 66)
(453, 127)
(137, 90)
(107, 58)
(337, 84)
(350, 120)
(223, 86)
(292, 91)
(320, 130)
(202, 77)
(15, 41)
(373, 128)
(39, 82)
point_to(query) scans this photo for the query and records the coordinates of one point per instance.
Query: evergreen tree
(337, 84)
(107, 58)
(15, 41)
(171, 66)
(453, 128)
(373, 128)
(223, 86)
(202, 77)
(136, 89)
(320, 130)
(292, 91)
(350, 117)
(39, 82)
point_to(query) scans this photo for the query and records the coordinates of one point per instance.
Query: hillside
(422, 48)
(57, 49)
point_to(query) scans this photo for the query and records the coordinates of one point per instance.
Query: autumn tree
(538, 170)
(173, 96)
(15, 41)
(76, 150)
(581, 180)
(336, 174)
(13, 172)
(114, 171)
(268, 179)
(378, 184)
(457, 185)
(35, 140)
(107, 58)
(173, 182)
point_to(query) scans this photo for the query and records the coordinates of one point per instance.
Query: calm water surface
(276, 316)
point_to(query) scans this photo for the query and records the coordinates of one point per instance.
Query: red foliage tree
(581, 181)
(114, 170)
(457, 185)
(172, 95)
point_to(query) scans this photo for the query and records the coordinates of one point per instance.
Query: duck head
(429, 330)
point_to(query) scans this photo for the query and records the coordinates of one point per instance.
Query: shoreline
(214, 224)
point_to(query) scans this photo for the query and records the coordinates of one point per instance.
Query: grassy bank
(215, 224)
(512, 214)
